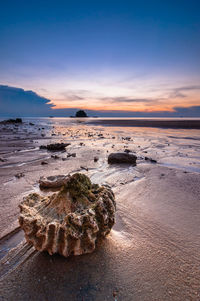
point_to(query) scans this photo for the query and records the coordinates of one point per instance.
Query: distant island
(81, 113)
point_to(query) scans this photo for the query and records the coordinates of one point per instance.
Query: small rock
(83, 167)
(71, 155)
(55, 146)
(55, 157)
(44, 163)
(53, 181)
(96, 159)
(150, 160)
(19, 175)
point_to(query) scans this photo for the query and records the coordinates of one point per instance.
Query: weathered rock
(44, 163)
(55, 147)
(96, 159)
(116, 158)
(71, 221)
(53, 181)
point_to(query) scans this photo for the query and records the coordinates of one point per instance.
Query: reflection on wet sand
(152, 252)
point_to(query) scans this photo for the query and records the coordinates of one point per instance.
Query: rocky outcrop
(71, 221)
(117, 158)
(12, 121)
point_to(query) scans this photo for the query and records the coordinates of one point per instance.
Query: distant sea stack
(81, 113)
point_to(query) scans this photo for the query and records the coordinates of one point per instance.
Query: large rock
(71, 221)
(116, 158)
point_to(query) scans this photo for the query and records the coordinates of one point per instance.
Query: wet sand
(161, 123)
(153, 251)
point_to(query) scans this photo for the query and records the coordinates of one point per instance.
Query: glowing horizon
(103, 56)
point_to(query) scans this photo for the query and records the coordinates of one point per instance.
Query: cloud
(128, 99)
(179, 92)
(18, 102)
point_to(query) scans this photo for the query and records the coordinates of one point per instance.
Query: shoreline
(172, 124)
(152, 252)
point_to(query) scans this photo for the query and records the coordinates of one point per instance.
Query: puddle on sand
(10, 241)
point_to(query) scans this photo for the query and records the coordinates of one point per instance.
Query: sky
(110, 58)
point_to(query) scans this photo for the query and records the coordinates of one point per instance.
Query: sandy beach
(153, 250)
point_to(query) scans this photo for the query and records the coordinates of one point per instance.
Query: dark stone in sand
(115, 158)
(83, 167)
(44, 163)
(127, 151)
(19, 175)
(126, 138)
(71, 155)
(150, 160)
(55, 147)
(30, 123)
(96, 159)
(55, 157)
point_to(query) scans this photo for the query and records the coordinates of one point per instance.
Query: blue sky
(137, 56)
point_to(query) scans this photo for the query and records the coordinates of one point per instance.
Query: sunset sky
(113, 55)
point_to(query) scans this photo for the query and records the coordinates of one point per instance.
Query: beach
(153, 250)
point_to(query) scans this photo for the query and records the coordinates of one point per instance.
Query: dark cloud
(18, 102)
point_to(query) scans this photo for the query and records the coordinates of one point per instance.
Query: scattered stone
(71, 155)
(127, 151)
(116, 158)
(81, 144)
(30, 123)
(126, 138)
(85, 168)
(53, 181)
(150, 160)
(44, 163)
(19, 175)
(96, 159)
(69, 222)
(2, 160)
(55, 157)
(55, 147)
